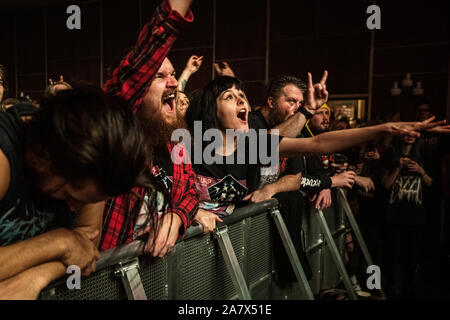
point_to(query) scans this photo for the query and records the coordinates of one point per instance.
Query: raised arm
(335, 141)
(132, 77)
(289, 182)
(192, 66)
(315, 97)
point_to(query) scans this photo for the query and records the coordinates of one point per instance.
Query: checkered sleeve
(184, 195)
(132, 77)
(119, 218)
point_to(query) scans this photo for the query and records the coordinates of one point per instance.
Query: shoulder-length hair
(203, 106)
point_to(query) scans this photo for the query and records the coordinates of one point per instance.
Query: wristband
(308, 115)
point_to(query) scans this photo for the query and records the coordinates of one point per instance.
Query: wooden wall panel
(30, 42)
(121, 26)
(240, 33)
(405, 22)
(345, 57)
(304, 36)
(7, 58)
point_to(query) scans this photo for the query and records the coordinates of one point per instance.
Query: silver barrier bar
(292, 254)
(336, 256)
(129, 273)
(127, 253)
(221, 234)
(320, 243)
(357, 231)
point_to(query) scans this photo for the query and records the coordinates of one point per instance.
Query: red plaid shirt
(130, 81)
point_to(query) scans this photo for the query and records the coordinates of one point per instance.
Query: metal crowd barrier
(234, 262)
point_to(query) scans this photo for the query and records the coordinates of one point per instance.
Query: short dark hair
(5, 82)
(7, 101)
(204, 104)
(278, 83)
(87, 133)
(421, 102)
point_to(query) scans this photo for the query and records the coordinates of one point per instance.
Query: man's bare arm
(292, 127)
(90, 218)
(28, 284)
(334, 141)
(290, 182)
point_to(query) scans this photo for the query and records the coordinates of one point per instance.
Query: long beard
(158, 131)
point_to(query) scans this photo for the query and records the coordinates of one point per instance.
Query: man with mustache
(145, 79)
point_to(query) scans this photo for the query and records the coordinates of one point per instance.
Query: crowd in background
(395, 180)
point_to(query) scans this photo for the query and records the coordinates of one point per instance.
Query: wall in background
(259, 38)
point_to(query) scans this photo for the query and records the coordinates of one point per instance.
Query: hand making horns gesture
(317, 94)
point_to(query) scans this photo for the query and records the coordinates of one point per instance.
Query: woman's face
(407, 140)
(232, 109)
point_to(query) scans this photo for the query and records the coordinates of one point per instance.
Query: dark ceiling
(15, 5)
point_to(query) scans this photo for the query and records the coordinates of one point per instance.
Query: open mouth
(169, 103)
(242, 115)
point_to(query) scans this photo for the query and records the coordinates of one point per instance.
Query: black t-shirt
(405, 196)
(24, 213)
(163, 168)
(256, 120)
(221, 187)
(267, 174)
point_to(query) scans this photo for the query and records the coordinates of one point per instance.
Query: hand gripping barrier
(238, 265)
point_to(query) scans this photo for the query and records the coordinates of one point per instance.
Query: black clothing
(24, 212)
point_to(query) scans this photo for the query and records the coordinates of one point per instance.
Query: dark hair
(204, 104)
(8, 101)
(86, 133)
(5, 82)
(342, 119)
(278, 83)
(421, 102)
(415, 153)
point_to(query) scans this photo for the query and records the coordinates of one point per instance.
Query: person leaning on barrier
(145, 80)
(223, 105)
(56, 169)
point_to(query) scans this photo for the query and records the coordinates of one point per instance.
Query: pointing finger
(310, 83)
(324, 78)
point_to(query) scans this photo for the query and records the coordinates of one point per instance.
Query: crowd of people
(84, 170)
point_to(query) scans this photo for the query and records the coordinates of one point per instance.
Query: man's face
(320, 122)
(423, 112)
(160, 98)
(59, 188)
(286, 105)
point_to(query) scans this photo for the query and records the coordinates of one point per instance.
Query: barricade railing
(234, 262)
(331, 226)
(243, 239)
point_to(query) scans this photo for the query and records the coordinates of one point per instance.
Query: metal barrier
(234, 262)
(325, 273)
(238, 265)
